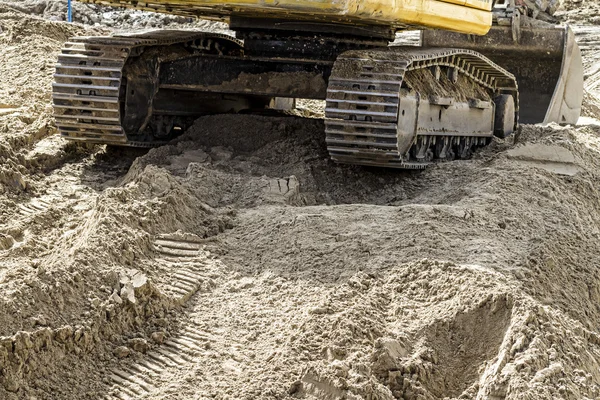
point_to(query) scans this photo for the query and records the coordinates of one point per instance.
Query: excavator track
(89, 83)
(368, 96)
(392, 107)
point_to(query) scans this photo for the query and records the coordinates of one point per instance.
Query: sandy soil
(95, 15)
(239, 262)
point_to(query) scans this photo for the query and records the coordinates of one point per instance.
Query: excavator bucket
(546, 62)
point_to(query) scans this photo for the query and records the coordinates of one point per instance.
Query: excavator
(482, 67)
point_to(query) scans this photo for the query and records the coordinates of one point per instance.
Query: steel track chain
(363, 101)
(87, 89)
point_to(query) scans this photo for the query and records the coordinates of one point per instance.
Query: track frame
(374, 117)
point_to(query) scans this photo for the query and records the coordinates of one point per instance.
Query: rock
(158, 337)
(116, 298)
(128, 293)
(139, 345)
(123, 279)
(319, 310)
(19, 181)
(122, 352)
(139, 280)
(6, 242)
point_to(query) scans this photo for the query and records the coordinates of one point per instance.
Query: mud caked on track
(239, 262)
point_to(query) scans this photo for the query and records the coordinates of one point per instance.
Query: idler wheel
(504, 120)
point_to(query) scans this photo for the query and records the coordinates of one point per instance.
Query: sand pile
(474, 279)
(240, 262)
(28, 49)
(353, 307)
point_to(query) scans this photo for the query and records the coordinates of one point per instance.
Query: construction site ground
(239, 262)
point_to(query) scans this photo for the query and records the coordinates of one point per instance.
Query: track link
(88, 87)
(365, 124)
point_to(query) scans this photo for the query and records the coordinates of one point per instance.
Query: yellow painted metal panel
(479, 4)
(465, 16)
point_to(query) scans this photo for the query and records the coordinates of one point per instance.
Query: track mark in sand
(35, 206)
(177, 354)
(185, 262)
(188, 269)
(592, 81)
(588, 44)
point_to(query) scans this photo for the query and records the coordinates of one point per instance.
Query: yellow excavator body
(465, 16)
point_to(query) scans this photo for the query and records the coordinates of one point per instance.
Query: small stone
(40, 320)
(318, 310)
(128, 293)
(139, 280)
(158, 337)
(19, 182)
(116, 298)
(6, 242)
(122, 352)
(123, 279)
(112, 280)
(139, 344)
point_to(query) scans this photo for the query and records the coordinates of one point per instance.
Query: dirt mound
(333, 301)
(28, 49)
(353, 309)
(284, 146)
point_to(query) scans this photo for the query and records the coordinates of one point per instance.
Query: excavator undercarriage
(391, 106)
